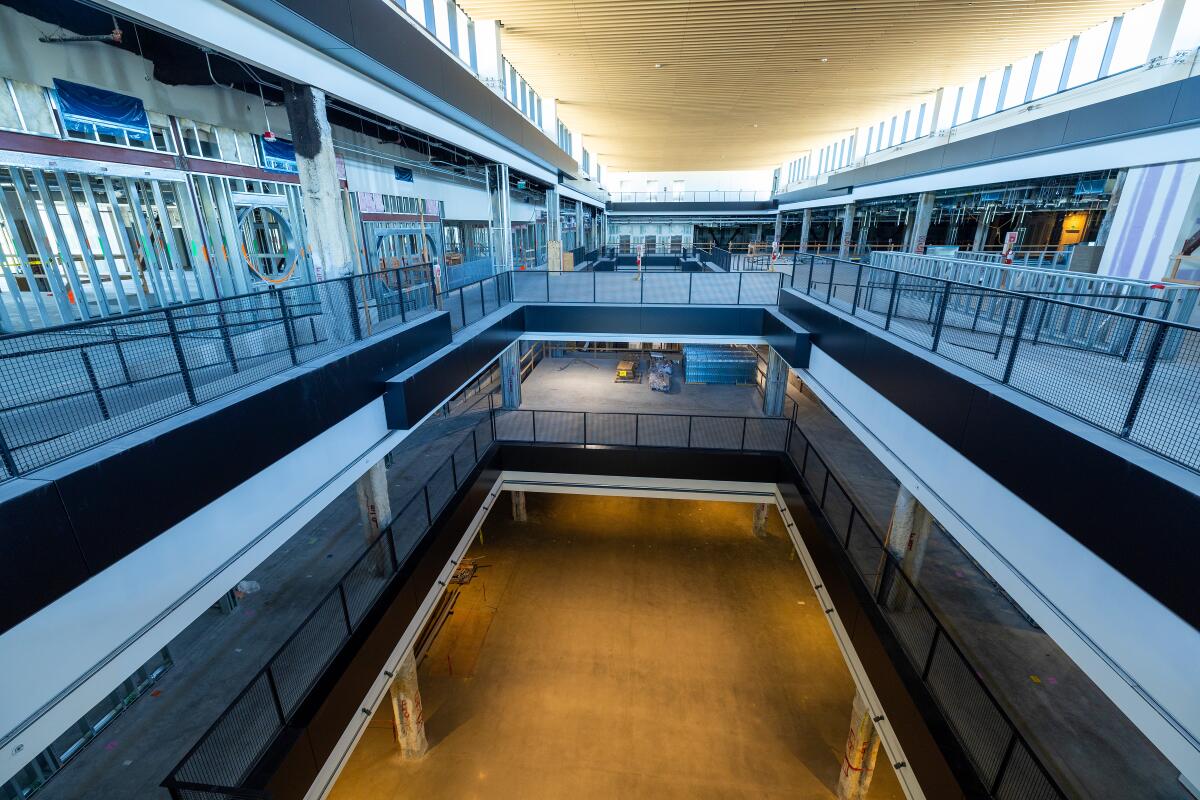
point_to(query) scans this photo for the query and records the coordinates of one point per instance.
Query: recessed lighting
(659, 66)
(824, 60)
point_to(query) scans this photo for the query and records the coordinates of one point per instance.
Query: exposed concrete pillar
(518, 507)
(499, 222)
(510, 376)
(408, 717)
(920, 223)
(847, 230)
(759, 524)
(981, 231)
(374, 508)
(778, 238)
(805, 229)
(907, 539)
(554, 242)
(775, 389)
(862, 748)
(864, 233)
(327, 236)
(1111, 211)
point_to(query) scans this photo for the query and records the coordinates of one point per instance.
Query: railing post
(91, 374)
(492, 413)
(593, 283)
(1008, 751)
(453, 470)
(125, 364)
(941, 317)
(462, 305)
(1012, 353)
(691, 275)
(188, 388)
(585, 428)
(937, 632)
(636, 430)
(6, 457)
(428, 510)
(355, 322)
(1139, 394)
(739, 294)
(345, 608)
(689, 441)
(887, 323)
(857, 289)
(287, 324)
(391, 541)
(641, 287)
(533, 424)
(275, 695)
(829, 289)
(743, 447)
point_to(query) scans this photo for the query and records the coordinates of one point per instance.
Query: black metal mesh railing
(1006, 766)
(674, 288)
(219, 763)
(1133, 376)
(66, 389)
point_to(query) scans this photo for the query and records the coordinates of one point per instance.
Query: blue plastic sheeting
(85, 108)
(279, 156)
(467, 272)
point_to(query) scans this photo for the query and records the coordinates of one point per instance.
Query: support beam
(759, 524)
(375, 509)
(862, 748)
(499, 218)
(327, 237)
(805, 229)
(847, 230)
(907, 540)
(920, 223)
(554, 260)
(510, 376)
(981, 231)
(1110, 213)
(519, 513)
(775, 390)
(408, 717)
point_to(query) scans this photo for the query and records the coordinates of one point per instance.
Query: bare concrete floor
(586, 384)
(620, 647)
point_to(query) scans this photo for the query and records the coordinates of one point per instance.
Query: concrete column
(499, 220)
(981, 231)
(759, 525)
(775, 389)
(907, 539)
(864, 233)
(1111, 212)
(518, 507)
(805, 229)
(510, 376)
(862, 748)
(847, 230)
(778, 229)
(553, 231)
(920, 223)
(328, 238)
(408, 717)
(374, 509)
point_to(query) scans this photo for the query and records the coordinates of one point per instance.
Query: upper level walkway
(66, 389)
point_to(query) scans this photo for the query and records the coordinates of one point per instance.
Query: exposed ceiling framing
(749, 84)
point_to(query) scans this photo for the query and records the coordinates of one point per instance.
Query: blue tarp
(85, 107)
(279, 156)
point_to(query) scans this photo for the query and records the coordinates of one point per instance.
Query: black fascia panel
(1051, 461)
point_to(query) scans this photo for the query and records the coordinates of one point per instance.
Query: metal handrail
(1117, 335)
(820, 495)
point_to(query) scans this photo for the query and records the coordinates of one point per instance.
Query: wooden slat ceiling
(732, 65)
